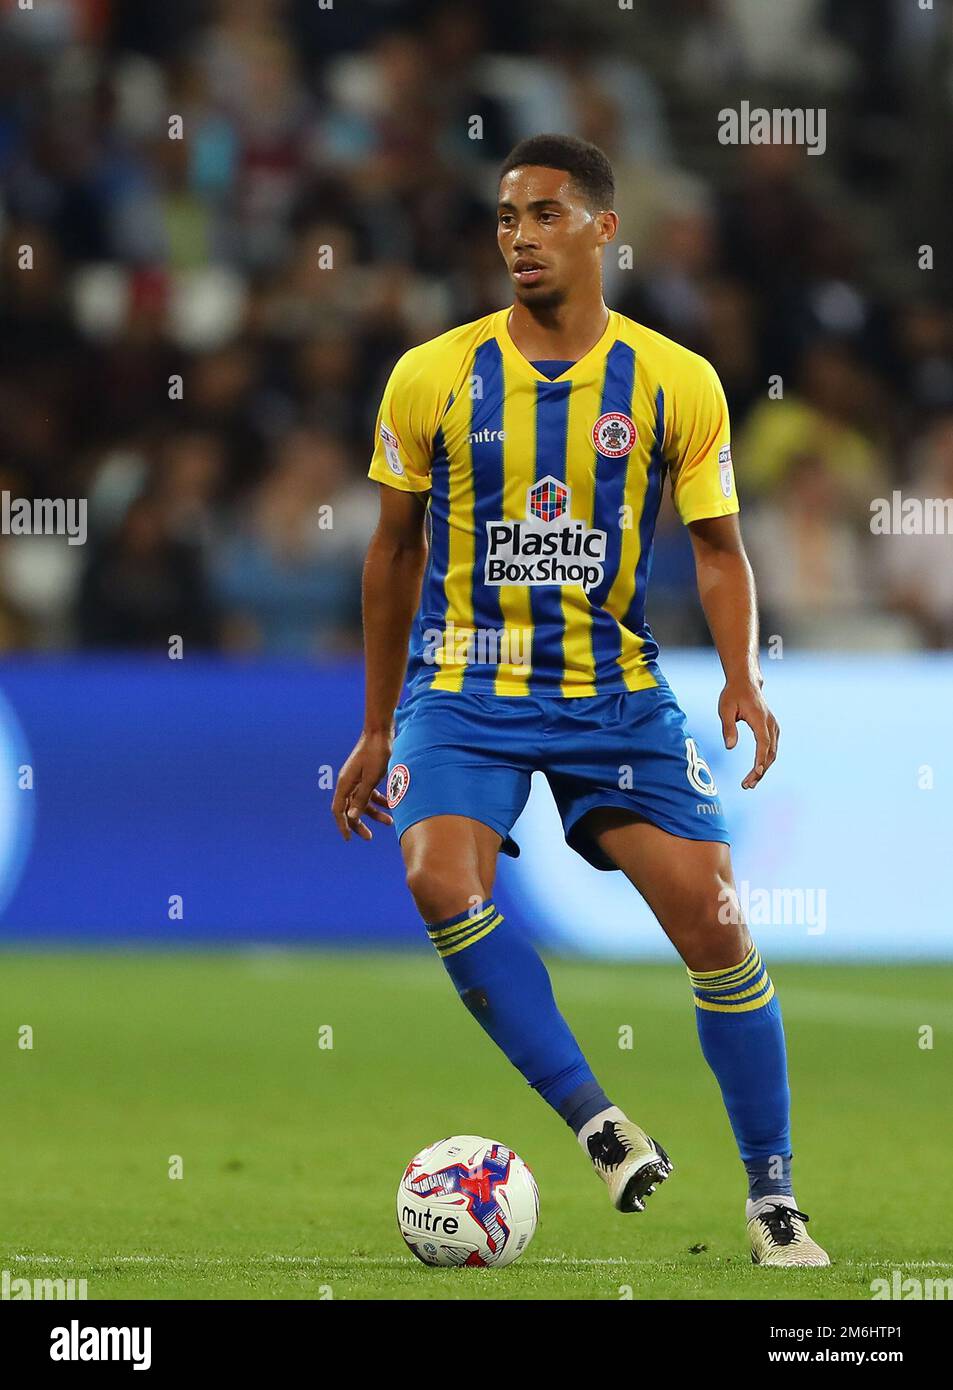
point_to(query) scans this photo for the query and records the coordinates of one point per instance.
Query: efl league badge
(614, 435)
(397, 784)
(392, 451)
(724, 468)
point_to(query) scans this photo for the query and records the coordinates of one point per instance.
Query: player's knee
(440, 891)
(713, 934)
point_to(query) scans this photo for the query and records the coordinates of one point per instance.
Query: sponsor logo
(614, 435)
(427, 1220)
(724, 468)
(397, 784)
(486, 436)
(548, 500)
(392, 451)
(549, 547)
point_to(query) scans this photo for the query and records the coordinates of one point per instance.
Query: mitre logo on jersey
(549, 547)
(614, 435)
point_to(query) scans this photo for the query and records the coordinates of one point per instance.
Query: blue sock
(505, 985)
(742, 1038)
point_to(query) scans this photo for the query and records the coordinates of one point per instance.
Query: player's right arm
(393, 571)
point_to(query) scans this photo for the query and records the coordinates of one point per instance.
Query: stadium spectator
(327, 206)
(288, 573)
(143, 586)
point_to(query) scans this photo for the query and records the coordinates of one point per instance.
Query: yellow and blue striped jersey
(543, 500)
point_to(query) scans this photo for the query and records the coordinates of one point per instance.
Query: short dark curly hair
(586, 165)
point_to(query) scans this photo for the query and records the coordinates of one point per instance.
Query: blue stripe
(760, 985)
(486, 412)
(433, 606)
(609, 498)
(635, 616)
(549, 628)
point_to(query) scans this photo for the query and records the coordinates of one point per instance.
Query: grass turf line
(291, 1152)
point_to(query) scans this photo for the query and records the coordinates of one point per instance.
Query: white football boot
(631, 1164)
(778, 1236)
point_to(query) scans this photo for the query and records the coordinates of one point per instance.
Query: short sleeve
(406, 424)
(699, 447)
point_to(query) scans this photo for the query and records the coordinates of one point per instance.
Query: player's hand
(743, 701)
(356, 793)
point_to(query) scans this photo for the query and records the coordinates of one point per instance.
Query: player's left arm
(698, 448)
(727, 592)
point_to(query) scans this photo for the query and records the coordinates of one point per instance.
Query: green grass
(292, 1152)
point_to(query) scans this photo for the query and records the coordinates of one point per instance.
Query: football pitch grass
(291, 1148)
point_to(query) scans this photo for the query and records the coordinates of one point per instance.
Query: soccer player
(522, 460)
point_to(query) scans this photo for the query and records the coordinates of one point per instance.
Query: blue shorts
(473, 755)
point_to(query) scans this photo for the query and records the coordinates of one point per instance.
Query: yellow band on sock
(738, 1008)
(735, 982)
(706, 978)
(471, 940)
(440, 933)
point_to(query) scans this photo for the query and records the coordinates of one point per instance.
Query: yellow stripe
(725, 973)
(435, 933)
(463, 932)
(579, 669)
(461, 938)
(458, 585)
(638, 677)
(745, 993)
(755, 968)
(470, 941)
(519, 474)
(736, 1008)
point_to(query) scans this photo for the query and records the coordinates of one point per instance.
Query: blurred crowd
(181, 349)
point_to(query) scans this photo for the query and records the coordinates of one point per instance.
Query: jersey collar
(586, 369)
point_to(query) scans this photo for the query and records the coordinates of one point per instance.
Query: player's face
(549, 237)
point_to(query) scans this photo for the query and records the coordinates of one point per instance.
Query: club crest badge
(614, 435)
(397, 784)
